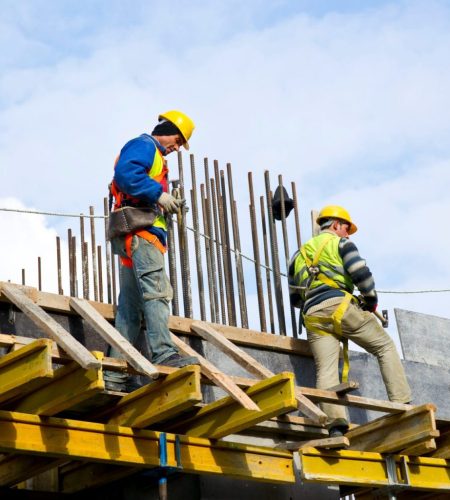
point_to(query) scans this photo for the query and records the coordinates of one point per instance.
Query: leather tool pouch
(128, 219)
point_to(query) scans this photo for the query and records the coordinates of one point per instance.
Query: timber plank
(24, 370)
(53, 329)
(252, 366)
(443, 446)
(216, 376)
(113, 337)
(159, 400)
(274, 396)
(327, 443)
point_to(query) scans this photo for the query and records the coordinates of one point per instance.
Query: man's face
(171, 142)
(342, 228)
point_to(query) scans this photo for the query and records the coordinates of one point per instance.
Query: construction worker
(322, 277)
(141, 180)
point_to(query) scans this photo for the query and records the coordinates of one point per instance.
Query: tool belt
(313, 324)
(128, 219)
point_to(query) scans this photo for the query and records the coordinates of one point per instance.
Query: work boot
(178, 361)
(114, 381)
(337, 431)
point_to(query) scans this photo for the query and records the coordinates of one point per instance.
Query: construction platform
(245, 423)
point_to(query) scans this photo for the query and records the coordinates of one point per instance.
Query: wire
(58, 214)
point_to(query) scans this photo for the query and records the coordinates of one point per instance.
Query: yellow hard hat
(184, 124)
(336, 212)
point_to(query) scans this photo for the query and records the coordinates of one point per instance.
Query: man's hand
(369, 303)
(169, 203)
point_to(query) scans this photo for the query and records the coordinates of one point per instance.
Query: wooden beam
(345, 387)
(420, 449)
(275, 427)
(393, 433)
(443, 446)
(22, 371)
(274, 396)
(327, 443)
(47, 324)
(159, 400)
(215, 375)
(68, 386)
(252, 366)
(113, 337)
(116, 445)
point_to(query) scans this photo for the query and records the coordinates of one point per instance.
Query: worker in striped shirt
(322, 276)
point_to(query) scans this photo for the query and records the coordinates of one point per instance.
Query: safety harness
(122, 199)
(312, 323)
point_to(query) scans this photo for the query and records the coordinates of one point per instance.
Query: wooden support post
(274, 396)
(113, 337)
(252, 366)
(53, 329)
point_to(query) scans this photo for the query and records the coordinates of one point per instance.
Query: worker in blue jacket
(141, 180)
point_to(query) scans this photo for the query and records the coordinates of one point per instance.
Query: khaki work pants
(364, 330)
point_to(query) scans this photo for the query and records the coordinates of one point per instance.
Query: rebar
(286, 248)
(100, 273)
(113, 279)
(94, 256)
(58, 265)
(39, 275)
(23, 276)
(267, 264)
(208, 255)
(171, 250)
(74, 264)
(297, 224)
(85, 269)
(71, 275)
(256, 256)
(198, 257)
(107, 251)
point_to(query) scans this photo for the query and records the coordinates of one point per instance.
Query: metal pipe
(23, 276)
(171, 250)
(198, 255)
(286, 249)
(208, 255)
(94, 256)
(218, 252)
(113, 279)
(184, 245)
(107, 251)
(267, 264)
(74, 257)
(256, 256)
(85, 269)
(100, 273)
(237, 251)
(58, 265)
(210, 233)
(297, 224)
(71, 277)
(232, 319)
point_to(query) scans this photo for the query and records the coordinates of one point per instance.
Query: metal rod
(256, 256)
(267, 264)
(208, 255)
(184, 246)
(171, 250)
(225, 248)
(84, 260)
(286, 249)
(275, 260)
(113, 278)
(211, 236)
(198, 255)
(85, 269)
(71, 277)
(58, 265)
(237, 251)
(100, 273)
(39, 274)
(297, 224)
(232, 319)
(107, 251)
(218, 252)
(94, 256)
(74, 258)
(23, 276)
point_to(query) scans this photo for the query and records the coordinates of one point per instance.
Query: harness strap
(151, 238)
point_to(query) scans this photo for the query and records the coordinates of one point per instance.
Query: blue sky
(350, 99)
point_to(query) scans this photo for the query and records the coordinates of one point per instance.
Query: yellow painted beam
(159, 400)
(70, 385)
(363, 468)
(112, 444)
(23, 370)
(274, 396)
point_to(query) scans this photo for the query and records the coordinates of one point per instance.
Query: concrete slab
(424, 338)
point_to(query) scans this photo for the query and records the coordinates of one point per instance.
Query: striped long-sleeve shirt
(354, 265)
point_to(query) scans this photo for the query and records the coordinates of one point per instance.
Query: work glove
(369, 303)
(169, 203)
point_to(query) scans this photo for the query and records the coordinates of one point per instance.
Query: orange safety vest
(159, 172)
